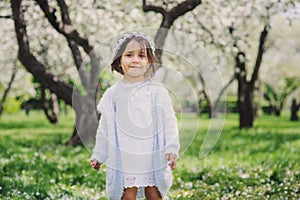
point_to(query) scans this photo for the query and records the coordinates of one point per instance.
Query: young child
(137, 136)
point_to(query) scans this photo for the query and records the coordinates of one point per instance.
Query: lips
(134, 67)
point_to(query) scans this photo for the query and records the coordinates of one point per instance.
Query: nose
(135, 59)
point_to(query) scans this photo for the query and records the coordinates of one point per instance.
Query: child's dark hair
(144, 44)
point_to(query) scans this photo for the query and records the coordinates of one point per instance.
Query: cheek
(123, 61)
(145, 63)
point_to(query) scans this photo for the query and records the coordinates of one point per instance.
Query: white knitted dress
(131, 131)
(135, 133)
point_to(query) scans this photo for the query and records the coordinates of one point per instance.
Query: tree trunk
(75, 139)
(246, 88)
(246, 105)
(245, 94)
(277, 111)
(260, 94)
(55, 104)
(51, 112)
(294, 110)
(86, 122)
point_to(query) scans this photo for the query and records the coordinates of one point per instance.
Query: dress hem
(140, 186)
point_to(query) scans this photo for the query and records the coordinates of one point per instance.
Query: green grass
(258, 163)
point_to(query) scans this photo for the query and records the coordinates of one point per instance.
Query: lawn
(258, 163)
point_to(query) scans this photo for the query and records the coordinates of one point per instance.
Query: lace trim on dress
(139, 181)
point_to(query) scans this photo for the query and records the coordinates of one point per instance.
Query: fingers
(167, 156)
(172, 165)
(95, 164)
(171, 157)
(97, 167)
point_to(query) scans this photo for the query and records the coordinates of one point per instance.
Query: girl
(137, 136)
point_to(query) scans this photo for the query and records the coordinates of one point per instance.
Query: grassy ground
(258, 163)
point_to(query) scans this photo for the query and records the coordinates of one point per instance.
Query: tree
(294, 110)
(232, 27)
(246, 87)
(64, 91)
(84, 104)
(282, 60)
(277, 99)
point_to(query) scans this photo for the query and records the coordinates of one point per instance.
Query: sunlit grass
(257, 163)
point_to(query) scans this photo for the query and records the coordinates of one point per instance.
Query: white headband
(131, 35)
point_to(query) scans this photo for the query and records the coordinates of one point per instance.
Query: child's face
(134, 62)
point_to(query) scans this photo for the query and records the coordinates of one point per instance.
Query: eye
(128, 55)
(142, 55)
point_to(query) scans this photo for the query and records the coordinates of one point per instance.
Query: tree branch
(6, 91)
(37, 69)
(5, 17)
(64, 27)
(203, 27)
(183, 8)
(260, 53)
(206, 96)
(72, 42)
(168, 19)
(240, 67)
(223, 90)
(53, 116)
(149, 8)
(64, 12)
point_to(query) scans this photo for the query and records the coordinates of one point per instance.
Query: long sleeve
(100, 151)
(170, 124)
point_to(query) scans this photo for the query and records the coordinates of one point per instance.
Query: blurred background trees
(254, 44)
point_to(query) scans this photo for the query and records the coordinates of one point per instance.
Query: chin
(136, 75)
(136, 72)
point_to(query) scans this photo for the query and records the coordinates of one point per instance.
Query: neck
(127, 79)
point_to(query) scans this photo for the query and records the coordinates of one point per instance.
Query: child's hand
(95, 164)
(171, 157)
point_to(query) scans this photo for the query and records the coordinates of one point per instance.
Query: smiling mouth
(133, 67)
